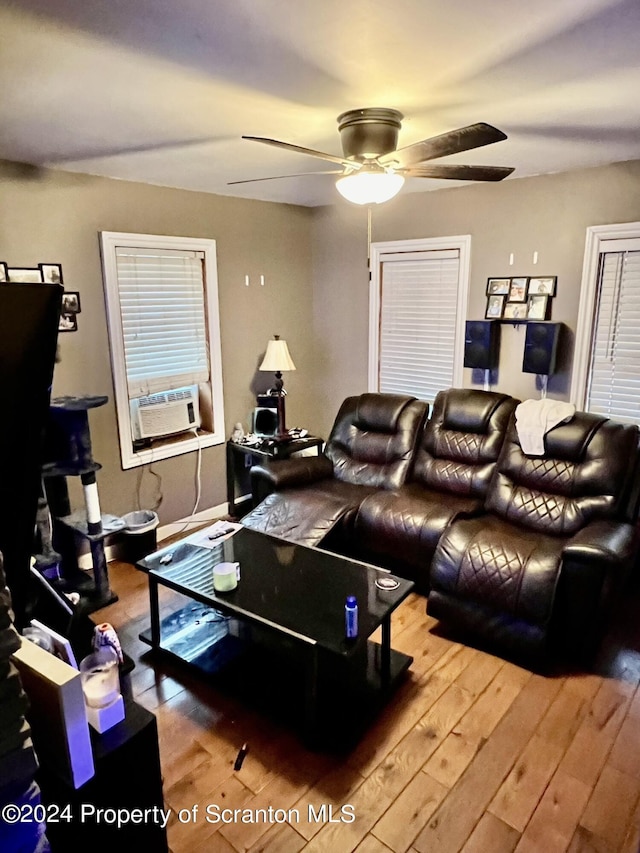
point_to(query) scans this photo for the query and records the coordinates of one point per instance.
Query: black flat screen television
(28, 336)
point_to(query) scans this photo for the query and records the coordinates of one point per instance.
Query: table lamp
(277, 358)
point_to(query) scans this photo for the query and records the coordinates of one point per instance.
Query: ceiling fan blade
(458, 173)
(276, 177)
(462, 139)
(288, 146)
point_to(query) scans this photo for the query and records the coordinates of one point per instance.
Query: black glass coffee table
(290, 599)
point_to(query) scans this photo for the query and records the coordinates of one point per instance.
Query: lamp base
(282, 426)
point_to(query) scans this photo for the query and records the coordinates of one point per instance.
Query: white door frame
(600, 239)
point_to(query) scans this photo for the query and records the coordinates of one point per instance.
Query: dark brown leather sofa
(453, 466)
(520, 553)
(538, 568)
(371, 447)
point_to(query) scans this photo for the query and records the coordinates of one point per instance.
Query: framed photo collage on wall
(520, 298)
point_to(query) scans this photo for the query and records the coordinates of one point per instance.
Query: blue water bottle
(351, 617)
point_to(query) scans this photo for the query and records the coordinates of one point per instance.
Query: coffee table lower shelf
(332, 698)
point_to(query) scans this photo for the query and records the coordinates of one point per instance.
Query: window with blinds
(164, 335)
(162, 304)
(613, 381)
(418, 318)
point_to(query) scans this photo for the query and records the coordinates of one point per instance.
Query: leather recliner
(536, 571)
(454, 463)
(370, 447)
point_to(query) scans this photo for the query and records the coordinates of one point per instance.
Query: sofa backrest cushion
(462, 441)
(374, 437)
(584, 475)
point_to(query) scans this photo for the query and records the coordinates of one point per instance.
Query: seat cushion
(496, 578)
(307, 515)
(351, 494)
(407, 523)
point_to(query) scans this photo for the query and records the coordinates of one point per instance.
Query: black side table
(128, 776)
(240, 457)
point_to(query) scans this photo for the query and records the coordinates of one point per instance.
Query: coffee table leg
(154, 611)
(385, 659)
(311, 696)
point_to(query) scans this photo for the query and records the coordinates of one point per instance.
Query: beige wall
(547, 214)
(316, 294)
(55, 217)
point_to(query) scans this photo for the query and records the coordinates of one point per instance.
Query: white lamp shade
(277, 357)
(369, 187)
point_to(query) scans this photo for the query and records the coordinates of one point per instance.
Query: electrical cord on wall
(198, 475)
(159, 494)
(190, 518)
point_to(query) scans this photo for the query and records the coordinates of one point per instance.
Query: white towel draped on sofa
(534, 418)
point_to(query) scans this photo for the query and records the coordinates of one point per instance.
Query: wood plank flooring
(472, 754)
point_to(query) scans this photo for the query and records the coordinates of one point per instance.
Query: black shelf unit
(69, 454)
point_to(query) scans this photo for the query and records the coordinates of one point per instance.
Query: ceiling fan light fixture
(374, 169)
(369, 187)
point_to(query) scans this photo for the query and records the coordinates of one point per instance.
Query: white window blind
(613, 387)
(418, 310)
(162, 304)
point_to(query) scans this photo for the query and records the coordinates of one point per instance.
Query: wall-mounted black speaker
(540, 347)
(481, 344)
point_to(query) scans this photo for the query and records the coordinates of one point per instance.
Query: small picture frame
(518, 290)
(68, 323)
(537, 307)
(495, 307)
(60, 646)
(70, 302)
(25, 275)
(543, 286)
(51, 273)
(4, 272)
(498, 286)
(515, 311)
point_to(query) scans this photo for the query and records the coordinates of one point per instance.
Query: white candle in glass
(100, 681)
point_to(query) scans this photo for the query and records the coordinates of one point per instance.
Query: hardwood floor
(472, 754)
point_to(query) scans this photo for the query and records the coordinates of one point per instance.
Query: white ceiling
(160, 91)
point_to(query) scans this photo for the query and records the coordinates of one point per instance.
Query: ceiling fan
(373, 169)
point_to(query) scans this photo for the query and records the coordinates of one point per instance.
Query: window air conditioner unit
(165, 413)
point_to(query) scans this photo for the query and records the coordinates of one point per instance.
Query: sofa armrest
(609, 544)
(274, 475)
(595, 565)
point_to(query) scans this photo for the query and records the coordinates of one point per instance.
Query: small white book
(57, 713)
